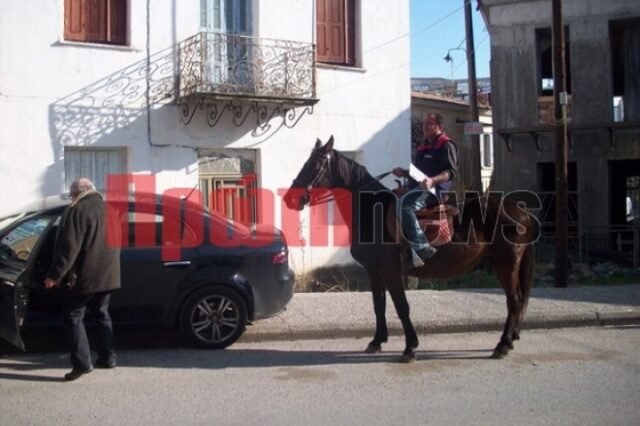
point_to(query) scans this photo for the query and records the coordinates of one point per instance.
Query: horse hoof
(407, 358)
(497, 355)
(510, 346)
(500, 352)
(373, 349)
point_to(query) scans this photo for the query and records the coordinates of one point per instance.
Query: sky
(436, 27)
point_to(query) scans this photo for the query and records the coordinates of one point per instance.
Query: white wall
(55, 93)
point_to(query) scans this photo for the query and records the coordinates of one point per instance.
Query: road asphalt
(350, 314)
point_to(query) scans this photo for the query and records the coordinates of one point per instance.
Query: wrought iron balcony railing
(223, 66)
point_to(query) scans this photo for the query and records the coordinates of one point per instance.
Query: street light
(448, 58)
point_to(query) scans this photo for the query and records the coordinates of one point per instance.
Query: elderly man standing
(84, 262)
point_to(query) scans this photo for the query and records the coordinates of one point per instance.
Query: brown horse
(501, 231)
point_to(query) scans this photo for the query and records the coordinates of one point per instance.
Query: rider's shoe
(426, 253)
(414, 260)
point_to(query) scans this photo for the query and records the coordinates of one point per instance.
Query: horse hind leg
(510, 332)
(525, 278)
(514, 308)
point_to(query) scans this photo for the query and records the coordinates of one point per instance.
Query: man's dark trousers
(76, 306)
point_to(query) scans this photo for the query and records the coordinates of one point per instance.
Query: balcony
(243, 74)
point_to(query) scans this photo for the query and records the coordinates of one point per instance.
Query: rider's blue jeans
(410, 202)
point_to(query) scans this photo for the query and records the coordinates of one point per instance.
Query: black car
(223, 276)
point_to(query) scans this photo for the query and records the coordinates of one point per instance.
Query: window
(96, 164)
(228, 54)
(226, 16)
(544, 42)
(96, 21)
(335, 27)
(547, 193)
(228, 183)
(632, 200)
(624, 36)
(487, 150)
(232, 196)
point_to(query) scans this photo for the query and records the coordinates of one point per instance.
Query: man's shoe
(105, 364)
(426, 253)
(76, 373)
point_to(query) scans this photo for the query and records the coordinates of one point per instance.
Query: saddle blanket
(438, 232)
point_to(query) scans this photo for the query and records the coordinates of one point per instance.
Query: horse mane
(354, 174)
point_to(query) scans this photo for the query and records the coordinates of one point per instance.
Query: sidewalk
(338, 315)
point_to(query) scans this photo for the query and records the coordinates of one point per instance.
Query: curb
(264, 333)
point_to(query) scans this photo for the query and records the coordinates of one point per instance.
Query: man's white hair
(81, 185)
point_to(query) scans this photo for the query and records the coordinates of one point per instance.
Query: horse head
(315, 173)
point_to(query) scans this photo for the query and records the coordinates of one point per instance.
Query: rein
(327, 198)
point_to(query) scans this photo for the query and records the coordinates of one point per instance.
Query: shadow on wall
(108, 112)
(139, 104)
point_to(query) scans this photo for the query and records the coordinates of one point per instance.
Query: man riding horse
(503, 232)
(437, 158)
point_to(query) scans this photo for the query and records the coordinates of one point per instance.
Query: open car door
(14, 296)
(18, 244)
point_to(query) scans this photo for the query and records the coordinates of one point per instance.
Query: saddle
(436, 223)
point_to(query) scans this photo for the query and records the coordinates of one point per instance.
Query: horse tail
(526, 276)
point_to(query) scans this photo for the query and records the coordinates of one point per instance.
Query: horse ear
(329, 145)
(318, 143)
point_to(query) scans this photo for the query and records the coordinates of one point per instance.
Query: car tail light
(281, 257)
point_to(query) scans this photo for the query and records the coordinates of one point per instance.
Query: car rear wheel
(214, 317)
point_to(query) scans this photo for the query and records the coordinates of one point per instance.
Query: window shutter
(335, 31)
(117, 21)
(98, 21)
(322, 30)
(350, 32)
(331, 31)
(74, 28)
(96, 14)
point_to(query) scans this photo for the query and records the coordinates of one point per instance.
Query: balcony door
(227, 24)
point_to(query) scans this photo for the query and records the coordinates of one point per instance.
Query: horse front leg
(510, 332)
(399, 298)
(379, 307)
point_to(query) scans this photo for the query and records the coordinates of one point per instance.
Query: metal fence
(586, 243)
(231, 64)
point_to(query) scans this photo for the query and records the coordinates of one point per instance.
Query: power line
(474, 52)
(428, 27)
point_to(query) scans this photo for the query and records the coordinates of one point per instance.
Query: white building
(199, 93)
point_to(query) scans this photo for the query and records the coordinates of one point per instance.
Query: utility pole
(476, 180)
(560, 114)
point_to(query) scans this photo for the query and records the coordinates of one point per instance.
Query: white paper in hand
(417, 175)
